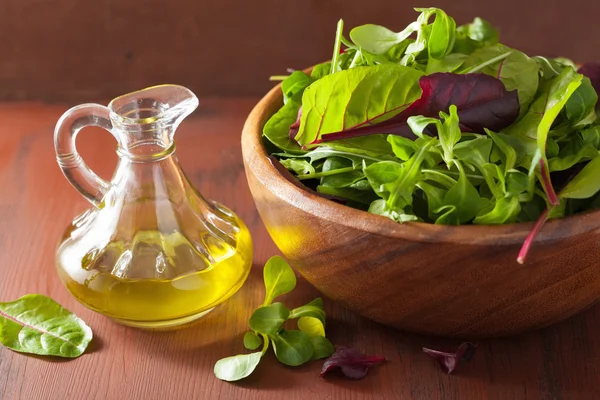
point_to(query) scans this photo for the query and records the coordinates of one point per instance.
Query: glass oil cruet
(151, 252)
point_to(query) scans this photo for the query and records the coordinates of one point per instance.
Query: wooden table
(36, 204)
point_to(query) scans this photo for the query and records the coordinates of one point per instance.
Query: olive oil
(186, 288)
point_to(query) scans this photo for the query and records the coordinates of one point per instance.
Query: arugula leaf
(277, 128)
(37, 324)
(464, 197)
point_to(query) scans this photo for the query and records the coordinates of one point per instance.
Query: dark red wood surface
(36, 203)
(80, 50)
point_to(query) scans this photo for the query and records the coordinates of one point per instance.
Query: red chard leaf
(295, 127)
(592, 71)
(351, 362)
(449, 361)
(482, 102)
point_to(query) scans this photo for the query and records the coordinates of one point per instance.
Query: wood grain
(36, 203)
(81, 50)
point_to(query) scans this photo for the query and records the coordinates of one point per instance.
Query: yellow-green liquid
(167, 281)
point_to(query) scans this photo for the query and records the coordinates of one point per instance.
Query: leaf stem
(488, 62)
(278, 77)
(337, 46)
(532, 234)
(266, 341)
(325, 173)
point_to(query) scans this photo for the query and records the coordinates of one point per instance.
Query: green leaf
(237, 367)
(396, 182)
(354, 97)
(582, 103)
(321, 70)
(279, 278)
(299, 166)
(37, 324)
(517, 182)
(510, 146)
(403, 147)
(435, 197)
(313, 309)
(448, 215)
(449, 63)
(505, 211)
(293, 347)
(377, 39)
(311, 326)
(252, 341)
(277, 128)
(585, 184)
(269, 319)
(574, 152)
(295, 84)
(442, 36)
(516, 71)
(464, 197)
(591, 135)
(322, 347)
(480, 31)
(340, 180)
(379, 207)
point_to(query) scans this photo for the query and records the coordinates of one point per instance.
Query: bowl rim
(257, 161)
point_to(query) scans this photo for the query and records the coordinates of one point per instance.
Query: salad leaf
(279, 278)
(293, 348)
(237, 367)
(37, 324)
(449, 361)
(481, 100)
(481, 31)
(516, 71)
(352, 363)
(354, 97)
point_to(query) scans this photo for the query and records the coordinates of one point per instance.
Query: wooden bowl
(442, 280)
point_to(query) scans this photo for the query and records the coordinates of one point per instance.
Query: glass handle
(90, 185)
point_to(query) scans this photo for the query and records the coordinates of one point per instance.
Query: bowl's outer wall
(446, 288)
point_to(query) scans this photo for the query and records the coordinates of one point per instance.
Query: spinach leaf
(277, 128)
(480, 31)
(37, 324)
(295, 84)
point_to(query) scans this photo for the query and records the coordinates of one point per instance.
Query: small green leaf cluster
(292, 347)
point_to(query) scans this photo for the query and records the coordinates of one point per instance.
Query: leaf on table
(269, 319)
(322, 347)
(449, 361)
(292, 347)
(252, 341)
(311, 326)
(482, 102)
(279, 278)
(352, 363)
(313, 309)
(37, 324)
(237, 367)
